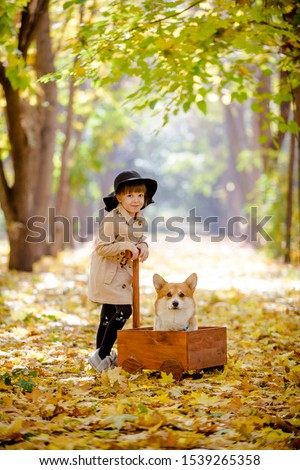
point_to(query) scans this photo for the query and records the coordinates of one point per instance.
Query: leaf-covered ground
(51, 399)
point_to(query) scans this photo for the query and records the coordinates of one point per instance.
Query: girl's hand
(143, 251)
(135, 253)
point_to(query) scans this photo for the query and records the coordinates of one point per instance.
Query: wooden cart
(169, 351)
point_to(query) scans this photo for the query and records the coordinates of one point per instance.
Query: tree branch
(18, 141)
(31, 16)
(177, 13)
(160, 20)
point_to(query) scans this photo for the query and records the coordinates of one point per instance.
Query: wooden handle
(136, 294)
(136, 290)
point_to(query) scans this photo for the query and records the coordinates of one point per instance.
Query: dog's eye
(181, 294)
(169, 294)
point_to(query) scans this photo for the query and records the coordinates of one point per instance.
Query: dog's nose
(175, 303)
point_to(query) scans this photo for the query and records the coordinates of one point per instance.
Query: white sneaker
(109, 362)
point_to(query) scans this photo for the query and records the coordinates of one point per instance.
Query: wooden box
(169, 351)
(172, 351)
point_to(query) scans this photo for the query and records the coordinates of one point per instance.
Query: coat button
(123, 286)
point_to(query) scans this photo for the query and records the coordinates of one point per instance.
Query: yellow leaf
(294, 374)
(151, 421)
(166, 378)
(12, 431)
(236, 402)
(163, 398)
(34, 395)
(246, 385)
(204, 399)
(6, 400)
(119, 421)
(275, 435)
(115, 378)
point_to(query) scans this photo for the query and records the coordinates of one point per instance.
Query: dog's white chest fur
(169, 317)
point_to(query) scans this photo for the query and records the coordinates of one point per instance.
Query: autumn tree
(178, 53)
(182, 51)
(31, 122)
(44, 125)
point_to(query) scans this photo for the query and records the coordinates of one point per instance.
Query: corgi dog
(175, 307)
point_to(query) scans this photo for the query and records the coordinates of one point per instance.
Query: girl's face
(132, 202)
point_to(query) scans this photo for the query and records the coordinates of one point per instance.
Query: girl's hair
(134, 188)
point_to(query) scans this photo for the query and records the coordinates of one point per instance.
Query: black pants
(112, 319)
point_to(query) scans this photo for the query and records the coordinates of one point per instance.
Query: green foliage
(168, 46)
(106, 126)
(165, 56)
(8, 11)
(10, 54)
(21, 378)
(16, 71)
(248, 160)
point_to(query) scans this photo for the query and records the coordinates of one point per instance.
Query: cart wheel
(171, 365)
(132, 365)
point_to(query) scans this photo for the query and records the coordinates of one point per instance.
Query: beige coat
(110, 279)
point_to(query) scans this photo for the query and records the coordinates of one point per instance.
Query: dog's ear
(191, 281)
(158, 282)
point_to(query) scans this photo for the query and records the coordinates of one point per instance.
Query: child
(120, 240)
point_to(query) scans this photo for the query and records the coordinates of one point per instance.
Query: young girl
(120, 240)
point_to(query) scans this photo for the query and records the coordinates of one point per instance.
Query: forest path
(51, 399)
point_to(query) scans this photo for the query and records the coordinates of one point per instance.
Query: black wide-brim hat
(130, 177)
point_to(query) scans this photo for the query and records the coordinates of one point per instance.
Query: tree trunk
(62, 230)
(31, 131)
(294, 150)
(289, 207)
(22, 253)
(297, 118)
(237, 183)
(42, 167)
(15, 199)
